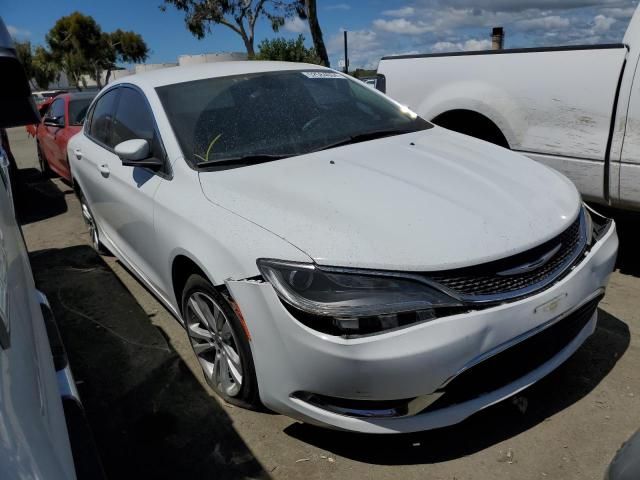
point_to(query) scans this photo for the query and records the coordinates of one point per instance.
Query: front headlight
(353, 298)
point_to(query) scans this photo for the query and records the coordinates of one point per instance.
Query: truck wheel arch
(472, 123)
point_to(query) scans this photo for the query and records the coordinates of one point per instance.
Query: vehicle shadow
(150, 416)
(628, 227)
(38, 198)
(562, 388)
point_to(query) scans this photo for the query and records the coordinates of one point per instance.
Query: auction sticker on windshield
(322, 75)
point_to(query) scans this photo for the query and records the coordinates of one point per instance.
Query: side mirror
(57, 122)
(136, 153)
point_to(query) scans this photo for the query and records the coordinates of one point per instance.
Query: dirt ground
(153, 416)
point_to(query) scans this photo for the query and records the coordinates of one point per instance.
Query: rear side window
(102, 117)
(134, 120)
(57, 109)
(78, 110)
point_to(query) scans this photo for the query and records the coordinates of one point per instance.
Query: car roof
(187, 73)
(81, 95)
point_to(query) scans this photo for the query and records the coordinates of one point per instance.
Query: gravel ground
(153, 416)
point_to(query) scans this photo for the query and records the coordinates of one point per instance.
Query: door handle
(78, 153)
(104, 169)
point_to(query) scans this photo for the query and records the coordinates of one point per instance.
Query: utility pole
(346, 54)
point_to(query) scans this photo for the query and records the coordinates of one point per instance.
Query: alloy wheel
(91, 225)
(215, 344)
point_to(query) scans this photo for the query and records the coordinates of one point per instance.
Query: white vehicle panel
(412, 361)
(532, 97)
(417, 202)
(34, 439)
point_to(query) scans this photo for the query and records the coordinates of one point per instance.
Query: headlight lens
(350, 295)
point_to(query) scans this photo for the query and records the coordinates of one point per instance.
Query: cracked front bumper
(414, 362)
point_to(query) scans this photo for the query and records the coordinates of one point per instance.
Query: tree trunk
(316, 31)
(98, 74)
(107, 77)
(248, 43)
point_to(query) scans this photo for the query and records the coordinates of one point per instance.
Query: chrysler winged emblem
(531, 266)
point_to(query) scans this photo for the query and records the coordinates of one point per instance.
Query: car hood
(423, 201)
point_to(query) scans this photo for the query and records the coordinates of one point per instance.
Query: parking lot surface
(153, 416)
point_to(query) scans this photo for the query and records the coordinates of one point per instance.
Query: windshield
(278, 114)
(78, 110)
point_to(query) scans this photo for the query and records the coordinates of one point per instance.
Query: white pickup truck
(575, 108)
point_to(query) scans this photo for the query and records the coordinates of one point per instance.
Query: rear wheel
(220, 343)
(92, 226)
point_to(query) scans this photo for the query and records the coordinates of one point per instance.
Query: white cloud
(602, 24)
(466, 46)
(521, 5)
(543, 23)
(402, 26)
(400, 12)
(338, 6)
(18, 32)
(296, 25)
(365, 48)
(455, 25)
(619, 13)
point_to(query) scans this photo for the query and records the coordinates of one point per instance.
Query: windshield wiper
(363, 137)
(241, 160)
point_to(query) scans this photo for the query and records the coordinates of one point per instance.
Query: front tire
(220, 343)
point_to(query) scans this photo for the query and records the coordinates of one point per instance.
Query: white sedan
(333, 256)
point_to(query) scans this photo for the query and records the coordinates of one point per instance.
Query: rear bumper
(414, 362)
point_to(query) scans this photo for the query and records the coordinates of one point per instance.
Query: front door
(129, 192)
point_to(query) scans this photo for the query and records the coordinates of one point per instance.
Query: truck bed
(552, 101)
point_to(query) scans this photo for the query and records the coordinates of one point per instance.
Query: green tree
(307, 10)
(78, 46)
(45, 71)
(38, 64)
(75, 42)
(120, 47)
(287, 51)
(240, 16)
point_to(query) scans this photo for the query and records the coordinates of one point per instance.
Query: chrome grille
(492, 280)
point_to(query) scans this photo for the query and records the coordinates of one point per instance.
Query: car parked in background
(44, 95)
(62, 120)
(32, 129)
(332, 254)
(626, 463)
(34, 382)
(574, 108)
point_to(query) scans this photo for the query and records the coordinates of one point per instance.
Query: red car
(42, 108)
(62, 121)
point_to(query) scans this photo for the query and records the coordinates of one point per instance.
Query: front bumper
(412, 362)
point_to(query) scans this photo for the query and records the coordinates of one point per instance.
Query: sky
(376, 27)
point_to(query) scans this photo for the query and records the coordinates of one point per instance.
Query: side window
(57, 109)
(133, 119)
(102, 117)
